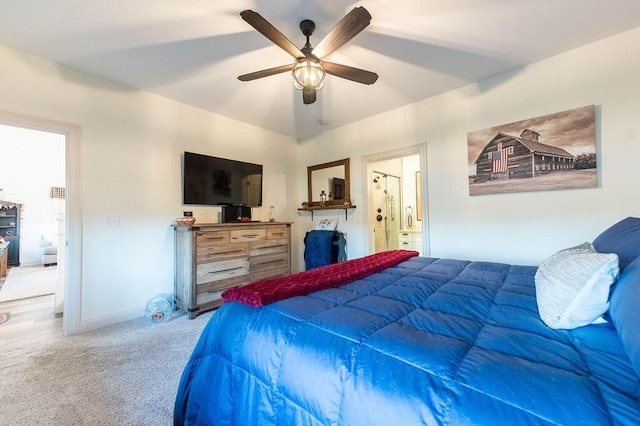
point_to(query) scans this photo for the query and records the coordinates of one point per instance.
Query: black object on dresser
(232, 214)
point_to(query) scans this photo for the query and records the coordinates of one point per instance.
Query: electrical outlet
(111, 220)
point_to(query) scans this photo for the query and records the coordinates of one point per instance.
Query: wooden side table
(3, 258)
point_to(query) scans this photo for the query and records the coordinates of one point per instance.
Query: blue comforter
(430, 341)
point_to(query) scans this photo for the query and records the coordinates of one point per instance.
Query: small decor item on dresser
(272, 214)
(186, 219)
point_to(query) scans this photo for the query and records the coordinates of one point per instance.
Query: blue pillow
(623, 239)
(624, 311)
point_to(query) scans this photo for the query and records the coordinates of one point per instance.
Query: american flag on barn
(512, 157)
(500, 160)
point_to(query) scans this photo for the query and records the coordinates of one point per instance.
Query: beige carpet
(23, 282)
(122, 375)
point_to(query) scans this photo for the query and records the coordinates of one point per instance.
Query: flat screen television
(214, 181)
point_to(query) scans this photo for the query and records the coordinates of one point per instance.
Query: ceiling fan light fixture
(308, 72)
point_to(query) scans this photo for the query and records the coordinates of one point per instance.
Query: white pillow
(572, 286)
(327, 225)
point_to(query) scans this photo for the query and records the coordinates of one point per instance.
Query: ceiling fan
(309, 70)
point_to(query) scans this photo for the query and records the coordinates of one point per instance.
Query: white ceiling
(193, 50)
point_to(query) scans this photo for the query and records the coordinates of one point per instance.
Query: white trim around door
(73, 229)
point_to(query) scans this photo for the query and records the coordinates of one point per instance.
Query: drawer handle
(213, 238)
(224, 252)
(246, 236)
(270, 261)
(271, 247)
(225, 270)
(277, 233)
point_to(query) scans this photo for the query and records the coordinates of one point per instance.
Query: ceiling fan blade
(348, 27)
(350, 73)
(308, 94)
(265, 73)
(269, 31)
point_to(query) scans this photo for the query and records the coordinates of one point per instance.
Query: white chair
(49, 251)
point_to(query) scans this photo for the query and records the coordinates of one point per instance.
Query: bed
(427, 341)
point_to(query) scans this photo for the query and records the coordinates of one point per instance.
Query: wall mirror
(332, 178)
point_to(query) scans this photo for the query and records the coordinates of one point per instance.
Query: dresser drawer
(216, 271)
(269, 261)
(246, 235)
(216, 288)
(405, 237)
(276, 233)
(269, 273)
(260, 248)
(206, 238)
(406, 245)
(216, 252)
(268, 266)
(208, 301)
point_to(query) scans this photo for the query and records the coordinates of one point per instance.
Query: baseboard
(108, 320)
(22, 264)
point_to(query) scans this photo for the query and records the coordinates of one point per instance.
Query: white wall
(523, 228)
(130, 147)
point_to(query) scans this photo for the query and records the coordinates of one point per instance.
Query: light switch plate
(111, 220)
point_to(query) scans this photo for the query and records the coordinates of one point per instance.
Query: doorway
(64, 231)
(396, 200)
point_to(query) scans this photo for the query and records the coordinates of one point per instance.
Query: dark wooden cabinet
(10, 230)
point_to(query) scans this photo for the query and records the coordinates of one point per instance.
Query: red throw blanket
(263, 292)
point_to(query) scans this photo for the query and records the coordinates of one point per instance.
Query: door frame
(73, 240)
(367, 170)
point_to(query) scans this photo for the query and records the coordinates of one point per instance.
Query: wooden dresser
(213, 257)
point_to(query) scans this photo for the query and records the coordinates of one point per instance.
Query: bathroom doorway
(396, 200)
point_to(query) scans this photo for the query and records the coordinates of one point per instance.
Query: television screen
(214, 181)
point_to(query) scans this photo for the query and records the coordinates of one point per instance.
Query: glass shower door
(386, 196)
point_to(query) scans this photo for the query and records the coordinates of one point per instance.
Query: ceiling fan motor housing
(307, 27)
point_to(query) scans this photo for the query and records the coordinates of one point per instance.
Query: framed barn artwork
(555, 151)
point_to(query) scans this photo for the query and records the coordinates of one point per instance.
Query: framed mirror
(332, 178)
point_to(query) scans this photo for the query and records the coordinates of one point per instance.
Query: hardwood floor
(30, 320)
